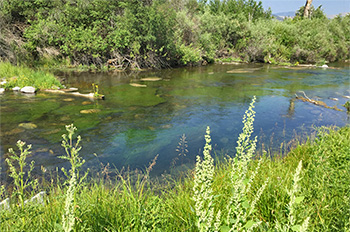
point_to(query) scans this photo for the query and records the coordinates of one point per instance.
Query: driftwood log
(315, 102)
(70, 92)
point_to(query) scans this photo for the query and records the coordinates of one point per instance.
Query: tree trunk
(307, 8)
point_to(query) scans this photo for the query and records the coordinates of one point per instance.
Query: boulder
(90, 111)
(28, 89)
(28, 125)
(16, 88)
(2, 90)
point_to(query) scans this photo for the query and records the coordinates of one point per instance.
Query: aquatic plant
(181, 149)
(182, 146)
(95, 89)
(347, 106)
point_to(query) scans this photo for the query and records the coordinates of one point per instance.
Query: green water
(134, 124)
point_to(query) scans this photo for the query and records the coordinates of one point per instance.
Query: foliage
(22, 76)
(303, 41)
(240, 208)
(72, 155)
(132, 34)
(313, 13)
(291, 223)
(95, 90)
(22, 178)
(203, 192)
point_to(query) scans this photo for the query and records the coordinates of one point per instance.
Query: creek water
(134, 124)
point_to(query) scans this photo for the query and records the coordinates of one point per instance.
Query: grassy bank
(306, 189)
(23, 76)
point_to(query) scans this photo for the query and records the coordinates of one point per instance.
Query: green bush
(164, 33)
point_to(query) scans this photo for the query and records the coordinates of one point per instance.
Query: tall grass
(308, 189)
(22, 76)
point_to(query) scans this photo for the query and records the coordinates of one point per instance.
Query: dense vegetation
(308, 189)
(19, 76)
(163, 33)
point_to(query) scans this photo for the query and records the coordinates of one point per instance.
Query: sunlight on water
(145, 114)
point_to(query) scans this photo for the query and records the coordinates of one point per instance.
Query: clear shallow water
(135, 124)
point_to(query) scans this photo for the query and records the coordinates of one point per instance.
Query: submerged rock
(151, 79)
(28, 89)
(90, 111)
(44, 149)
(86, 103)
(241, 71)
(28, 125)
(224, 140)
(137, 85)
(68, 99)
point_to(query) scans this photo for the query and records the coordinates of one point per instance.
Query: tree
(307, 8)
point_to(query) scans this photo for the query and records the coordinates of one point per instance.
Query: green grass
(22, 76)
(132, 201)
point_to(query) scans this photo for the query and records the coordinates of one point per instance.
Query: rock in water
(86, 103)
(28, 89)
(28, 126)
(151, 79)
(137, 85)
(90, 111)
(16, 88)
(2, 90)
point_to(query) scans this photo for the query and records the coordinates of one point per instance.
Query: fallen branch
(89, 95)
(315, 102)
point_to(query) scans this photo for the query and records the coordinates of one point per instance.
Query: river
(145, 114)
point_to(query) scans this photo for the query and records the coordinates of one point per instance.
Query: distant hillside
(285, 14)
(291, 14)
(282, 15)
(333, 16)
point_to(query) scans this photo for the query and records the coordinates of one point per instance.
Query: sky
(330, 7)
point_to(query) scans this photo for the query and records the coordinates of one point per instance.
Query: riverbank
(316, 192)
(160, 34)
(12, 76)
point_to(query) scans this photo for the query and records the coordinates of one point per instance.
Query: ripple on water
(14, 131)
